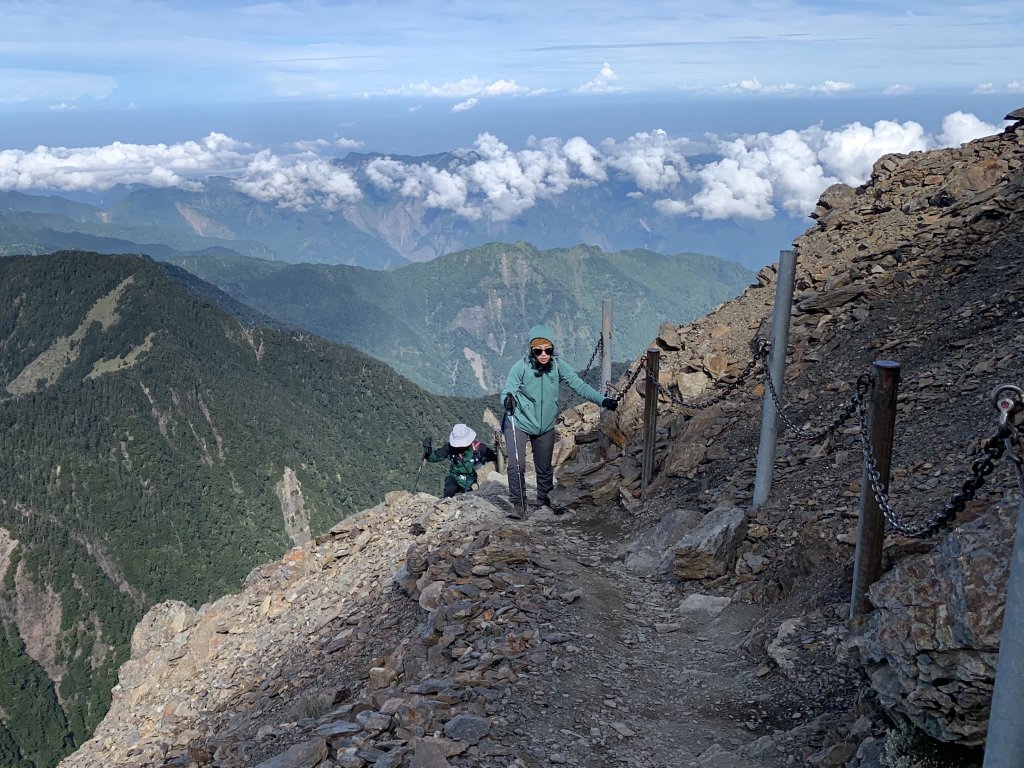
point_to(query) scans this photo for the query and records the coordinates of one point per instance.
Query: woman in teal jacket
(530, 398)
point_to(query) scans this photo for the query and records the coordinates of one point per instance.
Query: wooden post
(650, 417)
(867, 564)
(606, 346)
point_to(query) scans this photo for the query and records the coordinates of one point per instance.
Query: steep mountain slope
(456, 324)
(542, 644)
(154, 446)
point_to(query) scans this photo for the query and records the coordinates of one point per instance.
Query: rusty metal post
(650, 417)
(606, 345)
(867, 564)
(1004, 744)
(777, 370)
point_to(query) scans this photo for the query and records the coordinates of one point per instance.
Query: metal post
(777, 370)
(1004, 745)
(650, 417)
(867, 563)
(606, 345)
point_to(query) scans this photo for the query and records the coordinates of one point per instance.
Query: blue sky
(725, 109)
(146, 54)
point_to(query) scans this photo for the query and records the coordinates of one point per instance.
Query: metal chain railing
(981, 468)
(761, 348)
(593, 356)
(809, 434)
(640, 367)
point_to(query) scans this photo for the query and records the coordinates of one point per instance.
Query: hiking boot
(552, 507)
(513, 510)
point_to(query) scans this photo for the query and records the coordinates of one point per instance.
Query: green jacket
(536, 389)
(464, 461)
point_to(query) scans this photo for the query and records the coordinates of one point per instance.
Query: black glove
(510, 403)
(426, 453)
(610, 403)
(428, 444)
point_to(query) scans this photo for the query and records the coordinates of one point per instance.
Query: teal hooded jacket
(535, 387)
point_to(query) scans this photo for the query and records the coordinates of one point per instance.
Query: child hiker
(465, 452)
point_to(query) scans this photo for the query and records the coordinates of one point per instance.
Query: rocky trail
(659, 676)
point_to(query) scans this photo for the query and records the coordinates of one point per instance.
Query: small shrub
(312, 706)
(908, 747)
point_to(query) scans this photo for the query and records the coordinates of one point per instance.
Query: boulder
(647, 554)
(708, 550)
(931, 644)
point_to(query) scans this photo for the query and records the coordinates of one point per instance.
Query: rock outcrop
(931, 644)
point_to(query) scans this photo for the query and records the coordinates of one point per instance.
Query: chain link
(808, 434)
(981, 468)
(597, 349)
(761, 348)
(641, 364)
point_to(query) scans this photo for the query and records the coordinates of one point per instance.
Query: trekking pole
(427, 445)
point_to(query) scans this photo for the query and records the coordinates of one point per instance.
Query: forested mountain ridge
(456, 324)
(153, 446)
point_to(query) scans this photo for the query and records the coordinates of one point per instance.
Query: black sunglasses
(538, 351)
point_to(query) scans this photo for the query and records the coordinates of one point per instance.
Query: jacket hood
(541, 331)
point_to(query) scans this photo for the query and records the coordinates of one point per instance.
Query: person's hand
(428, 444)
(426, 453)
(510, 403)
(610, 403)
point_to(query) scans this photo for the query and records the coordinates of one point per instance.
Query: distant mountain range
(456, 324)
(154, 446)
(384, 229)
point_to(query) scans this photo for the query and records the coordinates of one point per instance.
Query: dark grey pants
(543, 446)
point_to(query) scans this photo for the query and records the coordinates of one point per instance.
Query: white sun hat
(461, 436)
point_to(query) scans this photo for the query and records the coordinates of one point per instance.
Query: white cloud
(1014, 86)
(755, 86)
(753, 176)
(468, 104)
(959, 128)
(297, 182)
(343, 143)
(465, 88)
(161, 165)
(603, 83)
(313, 145)
(897, 90)
(832, 86)
(63, 107)
(654, 161)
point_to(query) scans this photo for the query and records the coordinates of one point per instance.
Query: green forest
(157, 479)
(427, 320)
